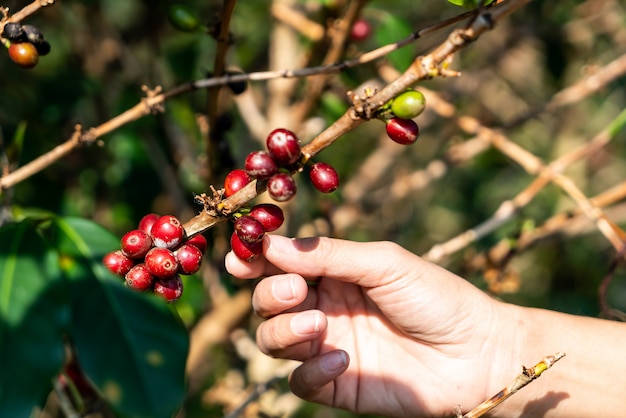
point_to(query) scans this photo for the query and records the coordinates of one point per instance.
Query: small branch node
(153, 104)
(45, 3)
(363, 108)
(212, 204)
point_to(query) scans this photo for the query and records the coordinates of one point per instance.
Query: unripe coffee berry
(189, 259)
(170, 289)
(139, 278)
(161, 263)
(281, 187)
(324, 177)
(402, 131)
(118, 263)
(167, 232)
(260, 165)
(183, 18)
(409, 104)
(24, 54)
(244, 251)
(283, 146)
(235, 180)
(145, 224)
(249, 230)
(269, 215)
(136, 243)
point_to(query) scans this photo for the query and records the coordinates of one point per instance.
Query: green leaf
(131, 345)
(33, 316)
(470, 4)
(391, 30)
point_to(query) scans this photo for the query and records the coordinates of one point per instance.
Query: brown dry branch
(528, 375)
(26, 11)
(287, 15)
(155, 100)
(545, 174)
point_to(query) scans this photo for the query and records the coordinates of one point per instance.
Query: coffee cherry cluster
(25, 44)
(153, 256)
(277, 165)
(401, 127)
(250, 228)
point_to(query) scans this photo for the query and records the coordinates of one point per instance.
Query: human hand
(380, 330)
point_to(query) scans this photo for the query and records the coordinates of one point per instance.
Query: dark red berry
(189, 259)
(237, 87)
(235, 181)
(283, 146)
(167, 232)
(33, 34)
(139, 278)
(136, 243)
(249, 230)
(244, 251)
(270, 216)
(74, 372)
(145, 224)
(13, 32)
(402, 131)
(259, 164)
(281, 187)
(361, 30)
(324, 177)
(118, 263)
(24, 54)
(161, 263)
(198, 241)
(170, 289)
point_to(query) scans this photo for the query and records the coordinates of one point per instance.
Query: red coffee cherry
(161, 263)
(324, 177)
(136, 243)
(170, 289)
(260, 165)
(198, 241)
(270, 216)
(24, 54)
(244, 251)
(281, 187)
(283, 146)
(361, 30)
(139, 278)
(249, 230)
(145, 224)
(402, 131)
(189, 259)
(167, 232)
(118, 263)
(235, 181)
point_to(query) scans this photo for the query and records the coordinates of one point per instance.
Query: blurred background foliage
(103, 52)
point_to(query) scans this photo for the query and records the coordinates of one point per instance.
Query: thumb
(368, 264)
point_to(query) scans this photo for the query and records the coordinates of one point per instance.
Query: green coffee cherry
(183, 18)
(408, 105)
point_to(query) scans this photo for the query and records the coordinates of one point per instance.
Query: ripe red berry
(361, 30)
(198, 241)
(170, 289)
(270, 216)
(283, 146)
(324, 177)
(145, 224)
(249, 230)
(235, 181)
(24, 54)
(281, 187)
(402, 131)
(161, 263)
(139, 278)
(189, 259)
(244, 251)
(118, 263)
(136, 243)
(167, 232)
(259, 164)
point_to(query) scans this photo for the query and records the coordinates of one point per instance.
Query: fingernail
(333, 361)
(284, 289)
(306, 323)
